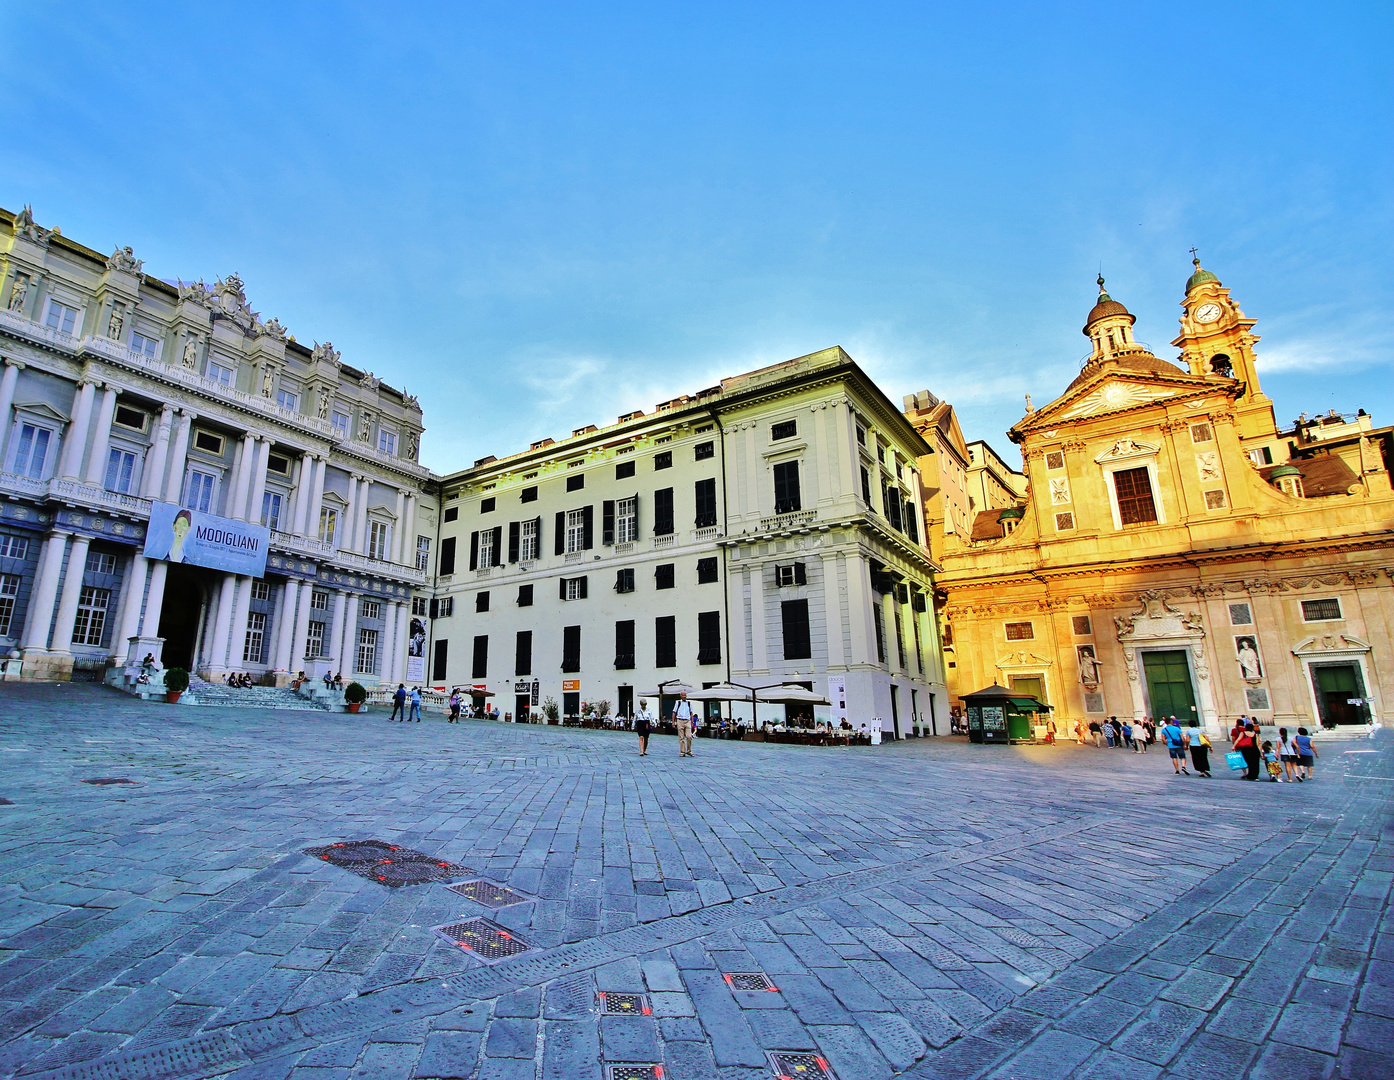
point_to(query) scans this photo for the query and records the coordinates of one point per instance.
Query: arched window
(1221, 366)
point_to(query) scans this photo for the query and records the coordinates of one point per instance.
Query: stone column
(832, 613)
(72, 589)
(70, 468)
(45, 592)
(237, 508)
(348, 658)
(304, 480)
(399, 530)
(409, 532)
(7, 398)
(258, 485)
(301, 634)
(179, 452)
(316, 498)
(150, 625)
(859, 611)
(387, 654)
(365, 486)
(132, 597)
(237, 638)
(399, 653)
(335, 643)
(759, 661)
(345, 538)
(96, 464)
(154, 480)
(888, 613)
(285, 626)
(222, 624)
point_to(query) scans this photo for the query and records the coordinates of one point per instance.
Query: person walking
(1144, 732)
(643, 720)
(1287, 754)
(1108, 731)
(1096, 732)
(1176, 748)
(1246, 742)
(1130, 735)
(454, 706)
(1199, 744)
(399, 704)
(683, 717)
(1306, 754)
(1117, 726)
(415, 704)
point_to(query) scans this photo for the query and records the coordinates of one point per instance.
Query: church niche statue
(322, 409)
(18, 292)
(191, 352)
(115, 323)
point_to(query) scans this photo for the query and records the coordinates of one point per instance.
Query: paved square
(927, 909)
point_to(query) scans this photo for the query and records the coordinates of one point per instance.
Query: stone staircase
(252, 697)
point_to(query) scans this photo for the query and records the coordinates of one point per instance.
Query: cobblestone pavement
(927, 909)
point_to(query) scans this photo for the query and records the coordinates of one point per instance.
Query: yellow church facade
(1176, 553)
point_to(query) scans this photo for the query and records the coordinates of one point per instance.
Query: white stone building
(120, 390)
(765, 530)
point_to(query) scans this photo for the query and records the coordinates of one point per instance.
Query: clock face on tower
(1207, 313)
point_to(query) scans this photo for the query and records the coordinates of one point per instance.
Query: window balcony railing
(665, 540)
(788, 520)
(709, 532)
(575, 556)
(75, 491)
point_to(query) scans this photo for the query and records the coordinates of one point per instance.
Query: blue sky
(539, 216)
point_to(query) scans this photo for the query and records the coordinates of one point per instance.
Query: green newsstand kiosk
(996, 715)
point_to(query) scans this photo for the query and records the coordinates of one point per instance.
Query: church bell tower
(1217, 341)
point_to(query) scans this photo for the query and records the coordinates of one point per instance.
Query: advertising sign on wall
(837, 694)
(181, 535)
(416, 651)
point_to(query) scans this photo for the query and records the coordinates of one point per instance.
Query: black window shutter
(709, 637)
(587, 521)
(800, 574)
(563, 588)
(912, 527)
(794, 615)
(561, 532)
(706, 503)
(474, 551)
(434, 607)
(636, 515)
(665, 641)
(498, 545)
(607, 522)
(522, 657)
(582, 588)
(447, 556)
(441, 652)
(513, 528)
(571, 649)
(539, 534)
(480, 668)
(663, 512)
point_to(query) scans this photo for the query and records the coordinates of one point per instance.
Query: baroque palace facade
(1176, 553)
(121, 392)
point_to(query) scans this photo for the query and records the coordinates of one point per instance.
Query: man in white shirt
(683, 716)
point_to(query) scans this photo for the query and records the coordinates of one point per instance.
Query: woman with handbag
(1246, 743)
(1199, 744)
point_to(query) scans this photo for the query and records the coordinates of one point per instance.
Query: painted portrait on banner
(180, 535)
(1246, 652)
(1089, 666)
(416, 650)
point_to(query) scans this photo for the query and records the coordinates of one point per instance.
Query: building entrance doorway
(522, 708)
(624, 701)
(1029, 686)
(1169, 689)
(180, 616)
(1336, 686)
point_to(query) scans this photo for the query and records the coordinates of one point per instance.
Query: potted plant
(354, 696)
(550, 710)
(176, 682)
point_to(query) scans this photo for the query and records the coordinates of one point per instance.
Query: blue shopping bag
(1235, 760)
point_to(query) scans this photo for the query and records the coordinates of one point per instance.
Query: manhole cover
(624, 1004)
(799, 1065)
(750, 980)
(102, 781)
(633, 1072)
(389, 864)
(488, 893)
(485, 939)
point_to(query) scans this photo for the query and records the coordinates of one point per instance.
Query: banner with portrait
(416, 650)
(180, 535)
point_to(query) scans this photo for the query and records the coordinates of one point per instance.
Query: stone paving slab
(924, 908)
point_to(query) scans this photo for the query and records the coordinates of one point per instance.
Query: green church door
(1337, 685)
(1169, 689)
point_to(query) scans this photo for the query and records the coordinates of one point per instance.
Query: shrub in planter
(550, 710)
(354, 696)
(176, 682)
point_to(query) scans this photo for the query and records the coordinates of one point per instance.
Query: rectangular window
(198, 491)
(146, 346)
(486, 506)
(861, 436)
(663, 577)
(261, 589)
(792, 574)
(287, 400)
(1321, 610)
(663, 460)
(891, 501)
(522, 653)
(486, 549)
(423, 552)
(1261, 456)
(866, 486)
(447, 557)
(131, 418)
(9, 593)
(120, 470)
(794, 616)
(31, 452)
(663, 512)
(1201, 433)
(367, 657)
(706, 571)
(627, 520)
(706, 504)
(481, 603)
(665, 641)
(624, 470)
(785, 429)
(452, 513)
(1064, 521)
(209, 443)
(576, 482)
(319, 601)
(479, 669)
(61, 317)
(704, 450)
(624, 645)
(529, 494)
(624, 580)
(786, 487)
(571, 649)
(370, 609)
(99, 562)
(91, 615)
(420, 605)
(1020, 631)
(277, 464)
(879, 620)
(525, 596)
(573, 588)
(13, 547)
(445, 606)
(575, 530)
(226, 376)
(387, 441)
(271, 510)
(339, 421)
(1241, 615)
(377, 539)
(709, 637)
(1055, 460)
(528, 546)
(328, 524)
(253, 647)
(1081, 626)
(1134, 490)
(314, 641)
(900, 642)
